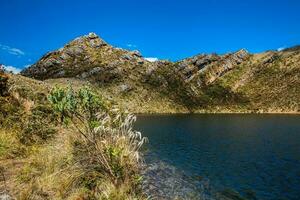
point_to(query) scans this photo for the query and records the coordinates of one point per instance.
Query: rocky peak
(89, 57)
(69, 59)
(91, 40)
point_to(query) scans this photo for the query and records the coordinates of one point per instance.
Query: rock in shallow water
(163, 181)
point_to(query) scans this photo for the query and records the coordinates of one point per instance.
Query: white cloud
(151, 59)
(12, 50)
(280, 48)
(25, 66)
(131, 45)
(12, 69)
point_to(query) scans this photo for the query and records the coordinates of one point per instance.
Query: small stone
(5, 197)
(125, 88)
(92, 35)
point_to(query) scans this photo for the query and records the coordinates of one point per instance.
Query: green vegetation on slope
(76, 145)
(270, 82)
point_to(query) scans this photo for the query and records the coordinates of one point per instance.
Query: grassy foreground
(60, 143)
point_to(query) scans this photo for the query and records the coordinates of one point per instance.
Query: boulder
(126, 57)
(92, 35)
(135, 53)
(74, 51)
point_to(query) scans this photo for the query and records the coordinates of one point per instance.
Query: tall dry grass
(95, 155)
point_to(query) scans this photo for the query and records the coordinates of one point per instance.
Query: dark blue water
(255, 155)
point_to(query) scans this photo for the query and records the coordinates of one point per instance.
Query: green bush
(105, 146)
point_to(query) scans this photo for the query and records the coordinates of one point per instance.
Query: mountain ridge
(201, 83)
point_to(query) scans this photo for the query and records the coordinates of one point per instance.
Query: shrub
(39, 126)
(106, 148)
(10, 112)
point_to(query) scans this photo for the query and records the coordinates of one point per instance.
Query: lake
(219, 156)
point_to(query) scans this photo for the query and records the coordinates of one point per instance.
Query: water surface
(255, 155)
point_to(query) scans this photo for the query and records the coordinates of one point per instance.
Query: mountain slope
(234, 82)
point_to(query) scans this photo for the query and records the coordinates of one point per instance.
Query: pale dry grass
(70, 166)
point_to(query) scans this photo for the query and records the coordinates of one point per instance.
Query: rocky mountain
(234, 82)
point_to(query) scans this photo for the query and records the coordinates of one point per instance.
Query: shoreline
(225, 113)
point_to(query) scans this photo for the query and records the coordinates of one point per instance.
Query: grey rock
(50, 62)
(270, 59)
(61, 73)
(140, 61)
(91, 72)
(92, 35)
(95, 70)
(132, 55)
(227, 65)
(74, 51)
(64, 56)
(5, 197)
(182, 65)
(84, 75)
(135, 53)
(150, 70)
(194, 60)
(79, 40)
(125, 88)
(127, 57)
(201, 63)
(95, 41)
(243, 53)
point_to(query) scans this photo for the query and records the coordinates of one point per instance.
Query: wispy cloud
(151, 59)
(12, 69)
(131, 45)
(12, 50)
(25, 66)
(281, 48)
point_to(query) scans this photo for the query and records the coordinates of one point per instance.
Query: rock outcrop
(210, 66)
(84, 57)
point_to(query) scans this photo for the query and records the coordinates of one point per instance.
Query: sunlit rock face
(212, 65)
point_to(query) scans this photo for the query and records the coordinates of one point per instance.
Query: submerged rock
(163, 181)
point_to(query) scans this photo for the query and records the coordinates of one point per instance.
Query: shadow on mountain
(211, 96)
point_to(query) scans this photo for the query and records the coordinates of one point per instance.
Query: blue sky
(167, 29)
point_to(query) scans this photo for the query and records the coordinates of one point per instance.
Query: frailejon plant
(107, 147)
